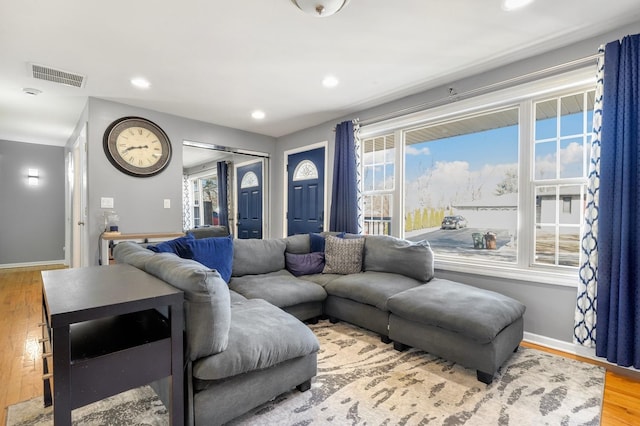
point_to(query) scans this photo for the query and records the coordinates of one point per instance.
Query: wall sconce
(33, 177)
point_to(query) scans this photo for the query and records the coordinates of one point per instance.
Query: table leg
(61, 376)
(177, 349)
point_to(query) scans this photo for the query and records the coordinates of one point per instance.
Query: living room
(42, 239)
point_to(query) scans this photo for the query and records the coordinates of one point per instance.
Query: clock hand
(135, 147)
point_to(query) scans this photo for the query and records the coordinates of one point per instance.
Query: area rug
(362, 381)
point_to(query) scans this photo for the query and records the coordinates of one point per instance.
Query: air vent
(67, 78)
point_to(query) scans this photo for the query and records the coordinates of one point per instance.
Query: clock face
(137, 146)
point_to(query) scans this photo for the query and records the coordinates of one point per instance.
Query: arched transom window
(249, 180)
(305, 170)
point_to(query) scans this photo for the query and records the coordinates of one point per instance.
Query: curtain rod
(453, 96)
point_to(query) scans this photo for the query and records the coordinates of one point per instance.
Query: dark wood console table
(111, 328)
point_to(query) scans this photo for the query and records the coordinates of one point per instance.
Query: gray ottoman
(476, 328)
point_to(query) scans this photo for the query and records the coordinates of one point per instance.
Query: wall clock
(137, 146)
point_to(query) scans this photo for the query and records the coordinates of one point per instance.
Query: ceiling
(217, 61)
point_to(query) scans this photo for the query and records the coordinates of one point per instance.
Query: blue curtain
(223, 175)
(344, 199)
(618, 307)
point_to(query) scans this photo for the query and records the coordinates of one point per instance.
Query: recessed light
(31, 91)
(330, 81)
(510, 5)
(258, 115)
(141, 83)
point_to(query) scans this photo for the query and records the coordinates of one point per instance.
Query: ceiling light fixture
(510, 5)
(320, 8)
(31, 91)
(258, 115)
(140, 83)
(330, 81)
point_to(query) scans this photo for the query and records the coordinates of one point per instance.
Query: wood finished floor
(21, 366)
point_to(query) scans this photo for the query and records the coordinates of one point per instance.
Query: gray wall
(31, 217)
(139, 201)
(550, 308)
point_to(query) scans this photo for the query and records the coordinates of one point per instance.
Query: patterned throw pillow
(343, 256)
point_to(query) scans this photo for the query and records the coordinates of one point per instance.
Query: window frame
(196, 198)
(523, 97)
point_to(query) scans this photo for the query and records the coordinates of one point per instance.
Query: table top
(156, 235)
(81, 294)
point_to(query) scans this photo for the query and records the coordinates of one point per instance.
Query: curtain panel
(344, 198)
(618, 305)
(223, 206)
(584, 331)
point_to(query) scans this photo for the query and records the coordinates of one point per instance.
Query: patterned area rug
(364, 381)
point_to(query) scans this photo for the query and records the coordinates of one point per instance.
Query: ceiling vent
(67, 78)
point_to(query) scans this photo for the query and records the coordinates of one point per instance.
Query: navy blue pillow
(178, 246)
(317, 241)
(304, 264)
(215, 253)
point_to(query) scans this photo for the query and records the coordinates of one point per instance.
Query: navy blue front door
(305, 177)
(249, 182)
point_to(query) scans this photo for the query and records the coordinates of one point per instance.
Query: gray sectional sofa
(237, 357)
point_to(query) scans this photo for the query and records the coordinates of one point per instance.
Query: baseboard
(31, 264)
(579, 350)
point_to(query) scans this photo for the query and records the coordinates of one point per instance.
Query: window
(499, 187)
(461, 185)
(378, 183)
(562, 135)
(205, 200)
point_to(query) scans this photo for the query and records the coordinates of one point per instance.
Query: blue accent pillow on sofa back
(178, 246)
(215, 253)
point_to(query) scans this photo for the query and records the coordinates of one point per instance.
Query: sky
(469, 167)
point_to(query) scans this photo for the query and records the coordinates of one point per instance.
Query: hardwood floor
(21, 366)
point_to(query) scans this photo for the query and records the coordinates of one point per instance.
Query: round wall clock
(137, 146)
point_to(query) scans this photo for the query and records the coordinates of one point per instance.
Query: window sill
(541, 275)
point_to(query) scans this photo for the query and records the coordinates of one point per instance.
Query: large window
(461, 185)
(205, 200)
(489, 187)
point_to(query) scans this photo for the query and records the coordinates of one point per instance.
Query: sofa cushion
(298, 244)
(209, 231)
(371, 288)
(477, 313)
(383, 253)
(254, 256)
(320, 279)
(207, 302)
(177, 246)
(279, 288)
(343, 256)
(304, 264)
(214, 252)
(260, 337)
(132, 253)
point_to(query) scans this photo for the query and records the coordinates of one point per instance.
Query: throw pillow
(215, 253)
(178, 246)
(317, 241)
(304, 264)
(343, 256)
